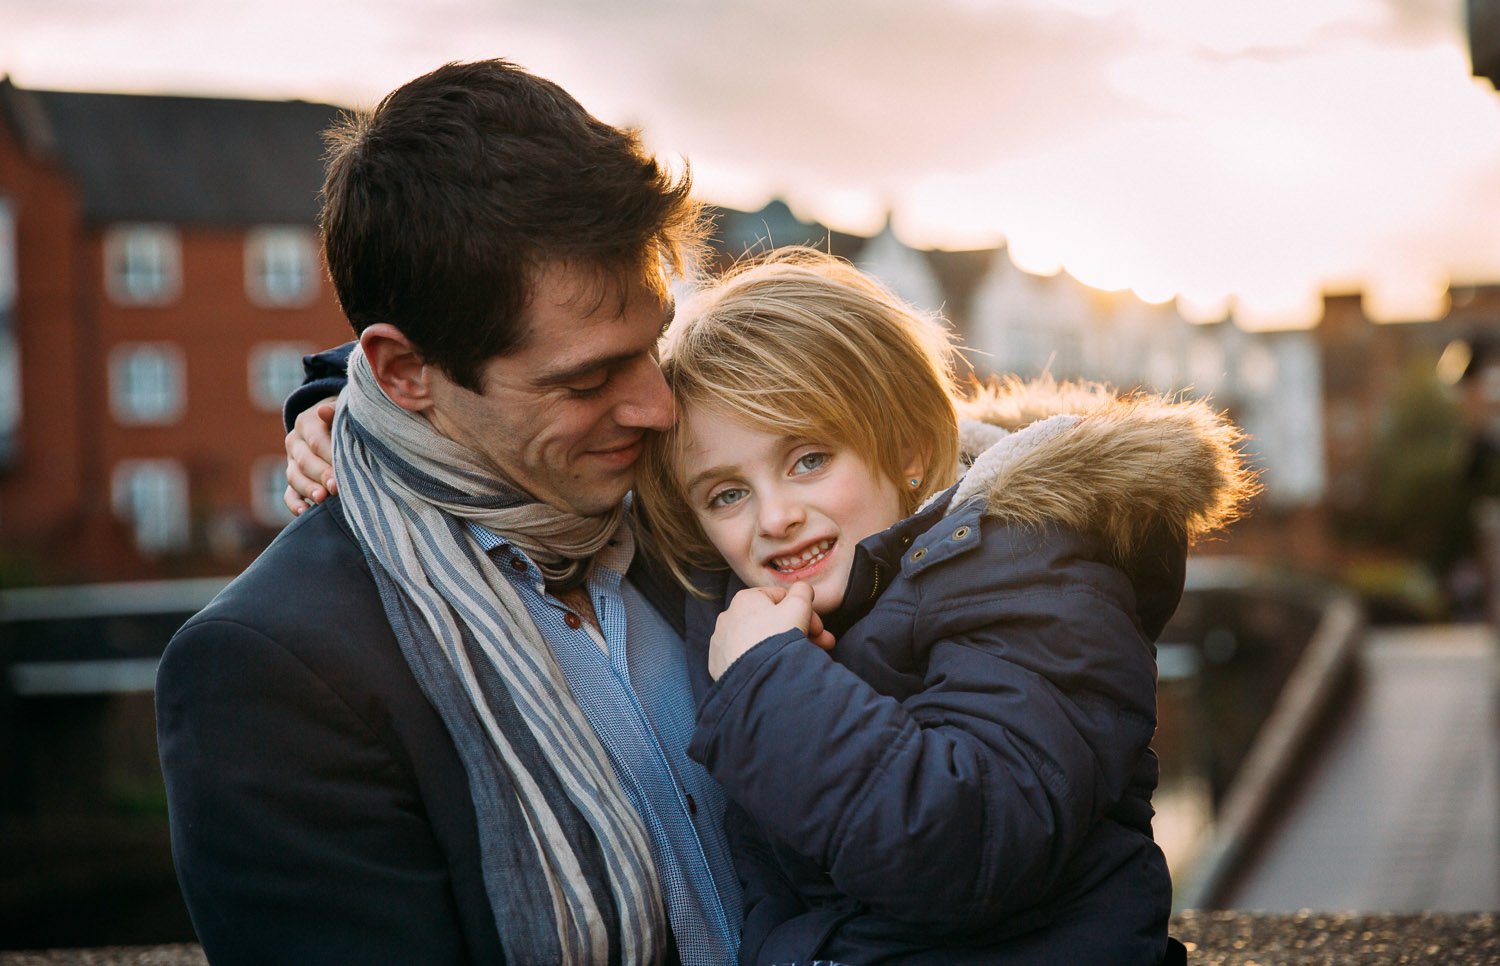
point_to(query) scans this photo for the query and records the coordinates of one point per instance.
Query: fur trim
(1121, 467)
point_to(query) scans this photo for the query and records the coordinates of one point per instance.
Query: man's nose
(646, 402)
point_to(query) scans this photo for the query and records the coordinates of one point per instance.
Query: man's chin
(597, 501)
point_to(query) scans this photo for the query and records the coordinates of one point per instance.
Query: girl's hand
(761, 612)
(309, 458)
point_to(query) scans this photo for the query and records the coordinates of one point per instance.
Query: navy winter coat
(966, 777)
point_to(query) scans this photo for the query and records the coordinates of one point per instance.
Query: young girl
(932, 703)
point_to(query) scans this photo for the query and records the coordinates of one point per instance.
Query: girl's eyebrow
(731, 469)
(713, 471)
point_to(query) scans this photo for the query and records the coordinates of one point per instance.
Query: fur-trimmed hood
(1114, 465)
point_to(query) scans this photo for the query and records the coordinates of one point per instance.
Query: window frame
(174, 525)
(266, 248)
(266, 504)
(123, 244)
(129, 413)
(263, 392)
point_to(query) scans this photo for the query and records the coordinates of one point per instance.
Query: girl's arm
(324, 374)
(308, 417)
(967, 798)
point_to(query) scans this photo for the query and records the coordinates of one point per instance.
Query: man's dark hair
(441, 204)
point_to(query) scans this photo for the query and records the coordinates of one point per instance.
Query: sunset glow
(1221, 152)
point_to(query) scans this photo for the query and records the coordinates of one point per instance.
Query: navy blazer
(319, 809)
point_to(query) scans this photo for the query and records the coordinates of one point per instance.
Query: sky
(1244, 154)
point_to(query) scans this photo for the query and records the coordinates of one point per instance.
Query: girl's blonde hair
(800, 343)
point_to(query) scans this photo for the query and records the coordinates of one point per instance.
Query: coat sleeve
(298, 837)
(961, 802)
(324, 374)
(770, 898)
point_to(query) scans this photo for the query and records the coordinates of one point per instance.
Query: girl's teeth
(810, 555)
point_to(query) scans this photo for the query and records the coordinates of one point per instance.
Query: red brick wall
(42, 498)
(55, 514)
(222, 431)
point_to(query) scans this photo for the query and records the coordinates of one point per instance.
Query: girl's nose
(779, 514)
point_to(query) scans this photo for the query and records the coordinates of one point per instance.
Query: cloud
(1205, 146)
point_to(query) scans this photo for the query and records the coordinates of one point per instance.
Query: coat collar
(1140, 472)
(1118, 467)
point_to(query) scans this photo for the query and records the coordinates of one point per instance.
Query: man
(444, 717)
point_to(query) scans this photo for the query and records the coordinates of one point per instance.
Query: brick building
(159, 281)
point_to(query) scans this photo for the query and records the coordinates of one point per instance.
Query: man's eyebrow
(590, 366)
(585, 368)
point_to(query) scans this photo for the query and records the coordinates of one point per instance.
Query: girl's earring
(915, 482)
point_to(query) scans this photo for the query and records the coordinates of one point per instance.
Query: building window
(267, 484)
(146, 383)
(151, 496)
(276, 370)
(10, 397)
(8, 271)
(1489, 385)
(142, 264)
(1257, 369)
(281, 266)
(1206, 364)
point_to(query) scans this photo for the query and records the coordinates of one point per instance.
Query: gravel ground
(1212, 939)
(109, 956)
(1325, 939)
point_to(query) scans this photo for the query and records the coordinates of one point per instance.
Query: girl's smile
(783, 509)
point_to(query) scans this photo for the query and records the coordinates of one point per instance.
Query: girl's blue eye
(811, 461)
(727, 497)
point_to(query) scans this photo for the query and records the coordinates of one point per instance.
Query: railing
(93, 639)
(1304, 701)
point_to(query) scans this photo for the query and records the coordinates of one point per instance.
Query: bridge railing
(1322, 670)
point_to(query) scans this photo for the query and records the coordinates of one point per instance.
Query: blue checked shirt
(632, 684)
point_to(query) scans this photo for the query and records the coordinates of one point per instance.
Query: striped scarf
(567, 861)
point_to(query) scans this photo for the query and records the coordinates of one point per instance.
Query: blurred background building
(159, 282)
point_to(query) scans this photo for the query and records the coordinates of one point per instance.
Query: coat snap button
(572, 620)
(518, 565)
(918, 554)
(960, 533)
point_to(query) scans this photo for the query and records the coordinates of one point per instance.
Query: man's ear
(397, 366)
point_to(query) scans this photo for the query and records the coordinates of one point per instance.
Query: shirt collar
(613, 558)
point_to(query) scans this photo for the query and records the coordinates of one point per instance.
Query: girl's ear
(915, 472)
(397, 366)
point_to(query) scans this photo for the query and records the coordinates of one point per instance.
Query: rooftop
(185, 160)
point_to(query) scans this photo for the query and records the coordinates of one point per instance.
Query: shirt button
(572, 620)
(692, 806)
(518, 565)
